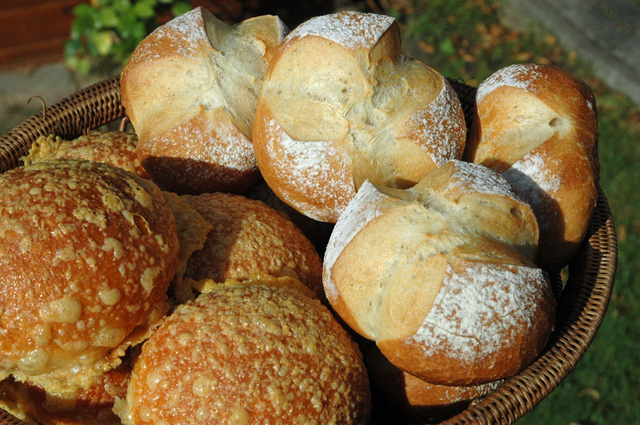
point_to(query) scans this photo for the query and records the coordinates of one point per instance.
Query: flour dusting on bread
(349, 29)
(521, 76)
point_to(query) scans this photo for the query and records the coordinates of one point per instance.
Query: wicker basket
(582, 302)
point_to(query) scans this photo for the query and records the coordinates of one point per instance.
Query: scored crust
(443, 257)
(537, 125)
(190, 89)
(341, 104)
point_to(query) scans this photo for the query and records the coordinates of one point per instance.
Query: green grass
(466, 39)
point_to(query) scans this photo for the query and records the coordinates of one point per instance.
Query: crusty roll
(402, 395)
(91, 406)
(249, 238)
(87, 252)
(117, 148)
(538, 125)
(192, 229)
(190, 90)
(341, 104)
(434, 275)
(250, 353)
(318, 232)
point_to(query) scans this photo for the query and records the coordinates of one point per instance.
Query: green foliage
(466, 39)
(104, 33)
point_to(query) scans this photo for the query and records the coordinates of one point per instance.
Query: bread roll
(87, 251)
(318, 232)
(192, 230)
(33, 405)
(250, 353)
(402, 395)
(434, 275)
(117, 148)
(341, 104)
(537, 124)
(250, 238)
(190, 90)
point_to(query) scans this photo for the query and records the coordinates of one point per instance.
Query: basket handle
(87, 109)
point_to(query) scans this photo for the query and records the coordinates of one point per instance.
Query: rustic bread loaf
(341, 104)
(190, 90)
(538, 125)
(437, 276)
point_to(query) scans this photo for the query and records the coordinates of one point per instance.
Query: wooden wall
(32, 32)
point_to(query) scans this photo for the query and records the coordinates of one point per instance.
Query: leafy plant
(104, 33)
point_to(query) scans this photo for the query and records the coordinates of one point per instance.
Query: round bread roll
(190, 90)
(538, 125)
(117, 148)
(401, 394)
(318, 232)
(87, 252)
(249, 354)
(437, 276)
(341, 104)
(249, 238)
(94, 405)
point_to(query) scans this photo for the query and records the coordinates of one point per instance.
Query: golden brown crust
(190, 89)
(192, 234)
(88, 406)
(488, 322)
(272, 355)
(87, 251)
(113, 147)
(341, 104)
(205, 153)
(412, 398)
(249, 238)
(318, 232)
(538, 126)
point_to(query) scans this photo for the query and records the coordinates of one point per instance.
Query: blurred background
(52, 48)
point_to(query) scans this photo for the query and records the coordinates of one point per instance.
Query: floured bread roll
(411, 398)
(190, 90)
(87, 252)
(436, 275)
(341, 104)
(538, 125)
(117, 148)
(249, 353)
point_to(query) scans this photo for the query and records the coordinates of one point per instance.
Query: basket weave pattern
(582, 303)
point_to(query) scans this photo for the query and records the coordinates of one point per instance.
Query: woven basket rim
(582, 304)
